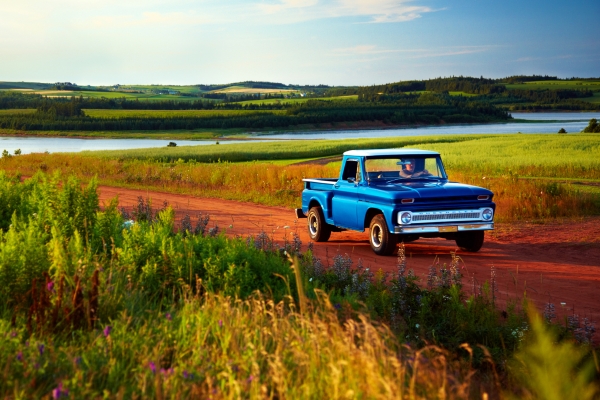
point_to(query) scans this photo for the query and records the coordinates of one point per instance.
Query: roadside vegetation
(93, 304)
(532, 176)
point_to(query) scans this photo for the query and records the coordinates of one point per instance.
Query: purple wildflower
(59, 392)
(77, 360)
(166, 372)
(107, 330)
(338, 306)
(20, 356)
(41, 349)
(187, 375)
(50, 286)
(13, 334)
(250, 379)
(220, 323)
(152, 367)
(168, 316)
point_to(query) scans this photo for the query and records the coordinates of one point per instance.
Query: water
(571, 122)
(57, 144)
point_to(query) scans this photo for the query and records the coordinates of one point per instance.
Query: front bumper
(444, 228)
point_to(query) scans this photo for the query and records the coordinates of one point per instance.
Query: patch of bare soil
(557, 262)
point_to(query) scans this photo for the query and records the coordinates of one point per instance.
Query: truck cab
(399, 195)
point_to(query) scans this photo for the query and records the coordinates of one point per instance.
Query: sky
(332, 42)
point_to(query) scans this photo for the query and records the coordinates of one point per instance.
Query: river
(571, 122)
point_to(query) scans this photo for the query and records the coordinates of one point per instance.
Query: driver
(408, 170)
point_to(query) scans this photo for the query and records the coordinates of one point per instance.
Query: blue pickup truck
(400, 195)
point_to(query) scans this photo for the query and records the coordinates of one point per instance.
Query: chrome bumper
(443, 228)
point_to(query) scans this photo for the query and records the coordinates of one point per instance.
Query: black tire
(382, 241)
(318, 230)
(470, 241)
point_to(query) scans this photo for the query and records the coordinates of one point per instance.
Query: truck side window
(350, 169)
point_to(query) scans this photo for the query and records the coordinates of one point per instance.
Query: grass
(115, 95)
(301, 100)
(18, 111)
(174, 113)
(174, 135)
(269, 176)
(556, 85)
(175, 312)
(594, 99)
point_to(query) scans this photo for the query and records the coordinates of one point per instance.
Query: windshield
(405, 167)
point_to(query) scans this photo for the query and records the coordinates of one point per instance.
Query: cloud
(411, 53)
(377, 11)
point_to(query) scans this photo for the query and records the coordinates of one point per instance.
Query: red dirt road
(557, 262)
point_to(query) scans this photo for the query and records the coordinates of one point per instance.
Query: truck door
(345, 196)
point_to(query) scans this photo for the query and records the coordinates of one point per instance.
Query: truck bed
(319, 183)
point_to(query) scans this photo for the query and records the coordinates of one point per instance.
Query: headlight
(487, 214)
(405, 217)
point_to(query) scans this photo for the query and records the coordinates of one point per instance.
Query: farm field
(300, 100)
(17, 111)
(112, 95)
(556, 85)
(173, 113)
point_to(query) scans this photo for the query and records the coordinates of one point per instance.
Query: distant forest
(60, 115)
(434, 101)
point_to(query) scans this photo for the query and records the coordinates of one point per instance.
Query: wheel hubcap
(313, 224)
(376, 235)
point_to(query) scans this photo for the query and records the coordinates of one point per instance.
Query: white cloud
(377, 11)
(411, 53)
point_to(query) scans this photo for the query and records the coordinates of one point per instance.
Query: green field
(556, 85)
(116, 95)
(300, 100)
(174, 113)
(13, 111)
(595, 99)
(568, 156)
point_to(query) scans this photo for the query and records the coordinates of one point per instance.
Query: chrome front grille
(447, 216)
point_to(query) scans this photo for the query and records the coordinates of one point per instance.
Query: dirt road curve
(555, 262)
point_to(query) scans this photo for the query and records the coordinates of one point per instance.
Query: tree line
(68, 116)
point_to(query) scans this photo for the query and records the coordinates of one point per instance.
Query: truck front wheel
(470, 241)
(318, 230)
(382, 241)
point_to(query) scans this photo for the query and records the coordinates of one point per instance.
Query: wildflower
(338, 306)
(166, 372)
(107, 330)
(168, 316)
(250, 379)
(220, 323)
(187, 375)
(417, 326)
(152, 367)
(13, 334)
(60, 392)
(50, 286)
(20, 356)
(41, 349)
(77, 360)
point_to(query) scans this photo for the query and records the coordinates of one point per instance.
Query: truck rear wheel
(382, 241)
(470, 241)
(318, 230)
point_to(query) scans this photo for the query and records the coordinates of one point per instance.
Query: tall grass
(153, 310)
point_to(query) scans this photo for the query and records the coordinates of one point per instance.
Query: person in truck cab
(410, 169)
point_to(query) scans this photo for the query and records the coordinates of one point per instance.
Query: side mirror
(351, 180)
